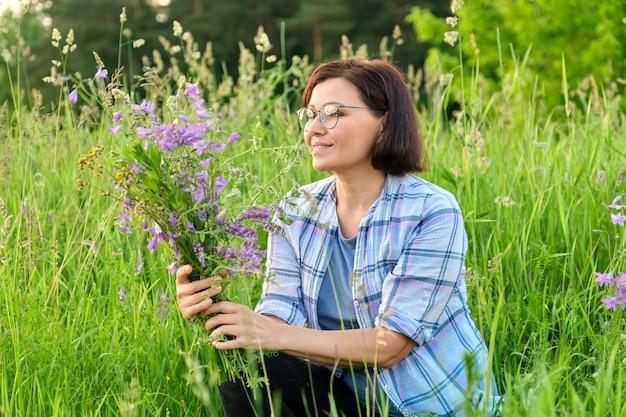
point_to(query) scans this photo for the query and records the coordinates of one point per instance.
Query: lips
(320, 145)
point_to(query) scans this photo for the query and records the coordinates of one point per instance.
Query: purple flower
(198, 195)
(205, 162)
(173, 267)
(233, 137)
(125, 229)
(220, 183)
(604, 279)
(122, 295)
(147, 107)
(162, 306)
(114, 129)
(139, 263)
(191, 90)
(190, 226)
(621, 281)
(202, 113)
(117, 116)
(124, 218)
(172, 219)
(152, 244)
(73, 96)
(101, 73)
(203, 175)
(610, 302)
(618, 219)
(615, 203)
(143, 132)
(201, 215)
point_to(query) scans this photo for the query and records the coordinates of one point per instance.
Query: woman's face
(346, 147)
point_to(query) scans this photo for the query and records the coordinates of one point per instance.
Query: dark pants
(299, 388)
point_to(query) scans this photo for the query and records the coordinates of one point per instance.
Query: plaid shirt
(408, 276)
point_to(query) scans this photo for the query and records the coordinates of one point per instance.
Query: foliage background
(533, 155)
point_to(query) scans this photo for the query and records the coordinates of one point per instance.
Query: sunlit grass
(531, 182)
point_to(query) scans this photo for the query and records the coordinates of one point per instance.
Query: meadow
(81, 334)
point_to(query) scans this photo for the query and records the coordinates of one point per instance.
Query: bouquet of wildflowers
(173, 177)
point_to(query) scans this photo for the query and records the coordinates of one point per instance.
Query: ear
(383, 125)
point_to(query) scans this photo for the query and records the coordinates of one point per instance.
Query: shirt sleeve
(428, 272)
(282, 290)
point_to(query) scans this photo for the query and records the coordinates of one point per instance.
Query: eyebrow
(326, 104)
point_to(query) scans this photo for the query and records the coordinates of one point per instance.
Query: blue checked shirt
(408, 277)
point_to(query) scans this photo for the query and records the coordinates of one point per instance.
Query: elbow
(392, 348)
(389, 359)
(389, 356)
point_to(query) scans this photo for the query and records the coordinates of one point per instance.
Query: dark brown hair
(383, 89)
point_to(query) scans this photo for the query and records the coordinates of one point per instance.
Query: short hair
(383, 89)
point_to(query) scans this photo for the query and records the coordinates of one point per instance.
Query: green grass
(70, 346)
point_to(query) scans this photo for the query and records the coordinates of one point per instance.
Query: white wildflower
(178, 29)
(56, 37)
(450, 37)
(262, 41)
(445, 79)
(504, 201)
(456, 5)
(123, 17)
(138, 43)
(483, 162)
(397, 35)
(452, 21)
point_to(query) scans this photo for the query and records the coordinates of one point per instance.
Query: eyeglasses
(329, 114)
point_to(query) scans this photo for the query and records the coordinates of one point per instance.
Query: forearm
(378, 347)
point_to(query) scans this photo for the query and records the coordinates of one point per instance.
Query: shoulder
(309, 197)
(411, 190)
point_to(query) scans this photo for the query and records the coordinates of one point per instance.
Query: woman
(365, 298)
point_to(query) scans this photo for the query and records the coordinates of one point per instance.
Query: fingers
(194, 297)
(231, 326)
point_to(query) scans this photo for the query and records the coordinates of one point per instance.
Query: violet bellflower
(608, 279)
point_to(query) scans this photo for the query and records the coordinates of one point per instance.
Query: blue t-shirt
(335, 311)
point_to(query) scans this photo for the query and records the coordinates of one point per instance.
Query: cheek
(307, 140)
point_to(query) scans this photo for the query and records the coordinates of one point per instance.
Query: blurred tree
(312, 27)
(17, 56)
(225, 23)
(588, 36)
(96, 26)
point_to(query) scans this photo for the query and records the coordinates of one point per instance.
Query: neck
(358, 192)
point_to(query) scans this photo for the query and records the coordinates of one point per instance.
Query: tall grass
(80, 335)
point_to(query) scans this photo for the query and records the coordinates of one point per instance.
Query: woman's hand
(194, 298)
(243, 327)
